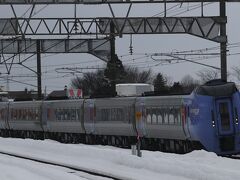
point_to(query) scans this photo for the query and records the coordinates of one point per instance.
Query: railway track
(74, 169)
(234, 157)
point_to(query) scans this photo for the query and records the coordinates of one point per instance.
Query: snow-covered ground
(199, 165)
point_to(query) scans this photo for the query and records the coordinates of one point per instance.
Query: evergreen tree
(160, 83)
(114, 72)
(177, 88)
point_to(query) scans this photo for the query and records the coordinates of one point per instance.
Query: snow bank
(119, 162)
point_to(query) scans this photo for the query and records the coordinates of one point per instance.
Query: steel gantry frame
(203, 27)
(210, 28)
(104, 1)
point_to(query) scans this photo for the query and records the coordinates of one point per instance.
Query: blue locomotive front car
(211, 113)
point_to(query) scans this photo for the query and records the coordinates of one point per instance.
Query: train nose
(226, 126)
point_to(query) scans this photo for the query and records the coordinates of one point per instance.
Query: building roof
(60, 94)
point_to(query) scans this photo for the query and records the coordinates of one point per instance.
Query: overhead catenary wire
(136, 60)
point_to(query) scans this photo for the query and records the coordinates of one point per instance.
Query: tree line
(102, 82)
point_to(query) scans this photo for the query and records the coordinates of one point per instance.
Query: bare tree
(236, 72)
(207, 75)
(133, 75)
(91, 83)
(95, 83)
(189, 83)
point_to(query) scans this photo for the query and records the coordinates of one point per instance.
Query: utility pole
(39, 73)
(113, 58)
(223, 44)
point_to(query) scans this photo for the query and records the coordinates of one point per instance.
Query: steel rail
(61, 165)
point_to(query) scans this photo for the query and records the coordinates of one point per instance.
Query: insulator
(131, 50)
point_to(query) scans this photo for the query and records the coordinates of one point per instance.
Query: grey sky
(141, 43)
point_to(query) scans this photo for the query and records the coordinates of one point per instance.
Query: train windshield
(224, 115)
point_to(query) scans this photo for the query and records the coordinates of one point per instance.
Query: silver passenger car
(25, 116)
(4, 115)
(110, 116)
(159, 117)
(63, 116)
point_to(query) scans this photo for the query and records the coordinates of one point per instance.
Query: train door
(140, 117)
(89, 116)
(185, 120)
(225, 116)
(4, 116)
(45, 109)
(92, 114)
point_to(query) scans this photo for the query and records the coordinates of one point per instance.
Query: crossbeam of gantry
(203, 27)
(103, 1)
(97, 47)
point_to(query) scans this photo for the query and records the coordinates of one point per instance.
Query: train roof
(216, 88)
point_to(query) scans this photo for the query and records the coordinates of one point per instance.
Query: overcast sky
(141, 43)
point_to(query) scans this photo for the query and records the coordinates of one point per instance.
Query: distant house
(57, 95)
(65, 94)
(18, 95)
(22, 95)
(33, 95)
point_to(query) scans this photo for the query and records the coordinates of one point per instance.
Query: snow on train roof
(133, 89)
(133, 84)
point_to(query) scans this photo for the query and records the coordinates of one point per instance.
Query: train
(208, 118)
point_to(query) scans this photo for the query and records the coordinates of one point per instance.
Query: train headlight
(236, 116)
(213, 120)
(213, 123)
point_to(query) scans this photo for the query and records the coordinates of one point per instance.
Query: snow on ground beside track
(18, 169)
(199, 165)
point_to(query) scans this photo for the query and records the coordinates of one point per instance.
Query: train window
(179, 116)
(62, 115)
(19, 114)
(131, 114)
(166, 115)
(163, 115)
(57, 115)
(37, 115)
(149, 119)
(2, 114)
(49, 113)
(160, 119)
(31, 114)
(154, 119)
(153, 116)
(113, 114)
(171, 119)
(24, 114)
(170, 115)
(67, 114)
(13, 114)
(73, 114)
(149, 115)
(104, 115)
(78, 114)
